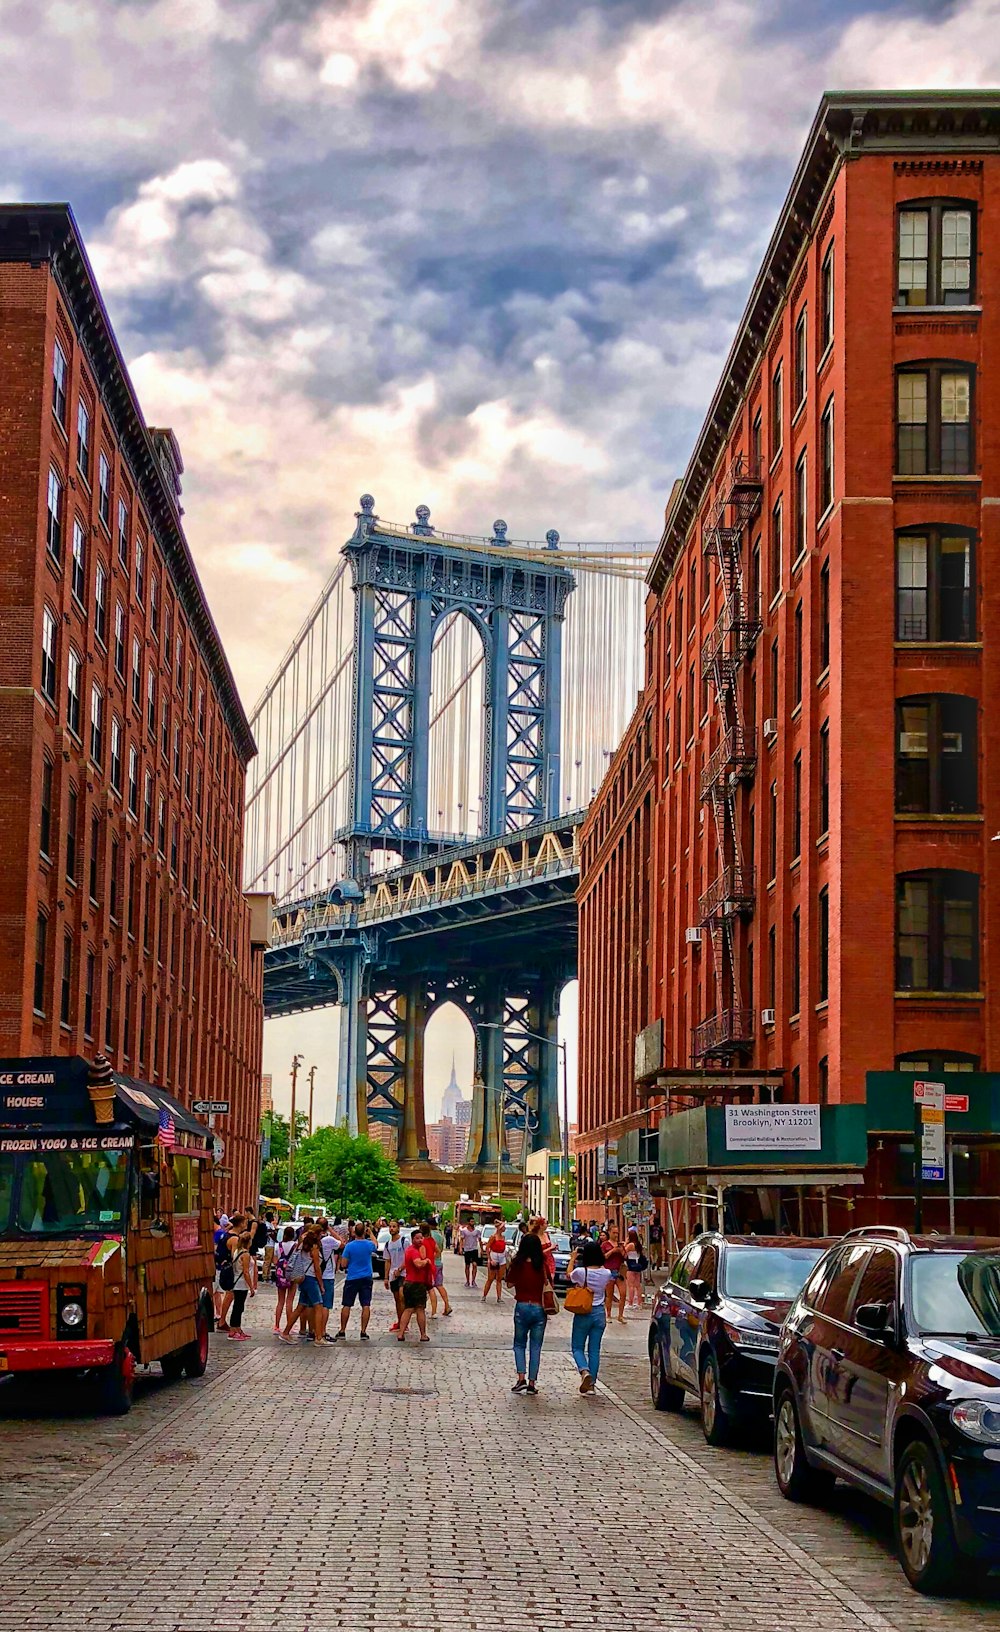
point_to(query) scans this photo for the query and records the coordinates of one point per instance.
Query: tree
(274, 1131)
(354, 1176)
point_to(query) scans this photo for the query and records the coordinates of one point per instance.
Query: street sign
(633, 1170)
(956, 1102)
(211, 1107)
(218, 1149)
(930, 1098)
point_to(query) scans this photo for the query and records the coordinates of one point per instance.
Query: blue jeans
(529, 1330)
(585, 1339)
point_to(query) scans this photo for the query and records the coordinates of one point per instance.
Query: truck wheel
(925, 1538)
(115, 1382)
(172, 1365)
(195, 1355)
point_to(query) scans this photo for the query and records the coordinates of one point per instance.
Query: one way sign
(211, 1107)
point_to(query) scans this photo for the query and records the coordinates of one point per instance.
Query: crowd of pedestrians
(303, 1260)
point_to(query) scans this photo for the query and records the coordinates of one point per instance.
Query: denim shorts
(360, 1291)
(310, 1296)
(328, 1290)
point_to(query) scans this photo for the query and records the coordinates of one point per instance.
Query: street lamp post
(296, 1062)
(553, 1042)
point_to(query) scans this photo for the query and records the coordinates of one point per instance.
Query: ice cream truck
(106, 1259)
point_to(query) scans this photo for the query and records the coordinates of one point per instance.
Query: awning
(770, 1178)
(142, 1102)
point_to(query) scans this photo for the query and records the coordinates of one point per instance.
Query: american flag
(166, 1133)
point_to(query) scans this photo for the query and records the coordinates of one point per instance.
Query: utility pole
(296, 1062)
(311, 1073)
(565, 1140)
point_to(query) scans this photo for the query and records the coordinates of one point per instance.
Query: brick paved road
(347, 1452)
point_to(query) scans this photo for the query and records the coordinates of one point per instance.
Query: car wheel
(716, 1423)
(925, 1538)
(797, 1481)
(665, 1395)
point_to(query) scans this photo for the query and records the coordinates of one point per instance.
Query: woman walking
(635, 1264)
(527, 1277)
(496, 1261)
(587, 1271)
(242, 1287)
(614, 1260)
(306, 1269)
(286, 1291)
(540, 1226)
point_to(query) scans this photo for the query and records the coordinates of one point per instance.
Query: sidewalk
(372, 1477)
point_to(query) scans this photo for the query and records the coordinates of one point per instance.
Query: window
(823, 1080)
(165, 729)
(772, 965)
(72, 819)
(796, 971)
(935, 255)
(45, 825)
(130, 907)
(119, 640)
(50, 647)
(41, 939)
(133, 780)
(104, 489)
(936, 755)
(824, 617)
(935, 584)
(116, 755)
(801, 355)
(753, 593)
(191, 686)
(66, 984)
(151, 702)
(177, 753)
(174, 846)
(797, 806)
(53, 522)
(147, 805)
(824, 777)
(140, 570)
(201, 699)
(823, 983)
(776, 528)
(83, 440)
(777, 415)
(79, 574)
(88, 996)
(96, 724)
(179, 664)
(187, 774)
(136, 671)
(95, 851)
(878, 1279)
(772, 834)
(101, 603)
(73, 679)
(154, 604)
(797, 657)
(933, 1061)
(756, 445)
(109, 1012)
(690, 704)
(146, 914)
(937, 932)
(774, 679)
(161, 826)
(826, 459)
(934, 420)
(801, 506)
(827, 292)
(60, 379)
(114, 880)
(680, 625)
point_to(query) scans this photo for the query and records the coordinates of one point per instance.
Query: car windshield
(769, 1273)
(956, 1293)
(560, 1242)
(63, 1191)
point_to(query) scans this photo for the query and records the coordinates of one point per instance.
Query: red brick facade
(123, 743)
(823, 886)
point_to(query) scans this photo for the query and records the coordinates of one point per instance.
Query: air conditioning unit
(693, 937)
(767, 1017)
(770, 730)
(913, 742)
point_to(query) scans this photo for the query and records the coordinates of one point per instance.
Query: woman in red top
(527, 1277)
(496, 1260)
(540, 1226)
(614, 1259)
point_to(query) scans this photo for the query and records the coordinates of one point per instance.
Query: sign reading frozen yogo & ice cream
(772, 1127)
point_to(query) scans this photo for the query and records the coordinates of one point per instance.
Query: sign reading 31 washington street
(772, 1127)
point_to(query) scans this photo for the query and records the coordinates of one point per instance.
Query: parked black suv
(888, 1376)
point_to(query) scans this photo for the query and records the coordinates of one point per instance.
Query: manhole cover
(425, 1393)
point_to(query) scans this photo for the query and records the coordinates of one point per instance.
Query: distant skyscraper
(452, 1096)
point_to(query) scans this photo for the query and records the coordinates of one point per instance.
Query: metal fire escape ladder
(730, 896)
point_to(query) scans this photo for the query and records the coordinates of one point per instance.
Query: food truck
(106, 1257)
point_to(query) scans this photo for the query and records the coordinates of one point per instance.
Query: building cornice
(847, 124)
(47, 234)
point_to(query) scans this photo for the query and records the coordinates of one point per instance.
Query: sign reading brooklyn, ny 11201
(772, 1127)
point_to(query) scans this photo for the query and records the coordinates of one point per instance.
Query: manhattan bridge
(426, 753)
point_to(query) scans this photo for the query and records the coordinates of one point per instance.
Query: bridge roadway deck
(383, 1487)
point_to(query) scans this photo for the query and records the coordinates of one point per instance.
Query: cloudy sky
(483, 254)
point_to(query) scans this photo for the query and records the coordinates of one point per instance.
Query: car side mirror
(873, 1318)
(699, 1290)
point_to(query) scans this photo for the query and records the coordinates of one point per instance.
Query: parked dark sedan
(562, 1248)
(888, 1377)
(715, 1324)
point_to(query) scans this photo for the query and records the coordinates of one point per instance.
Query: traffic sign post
(211, 1107)
(928, 1142)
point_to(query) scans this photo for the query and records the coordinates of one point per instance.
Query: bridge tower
(406, 584)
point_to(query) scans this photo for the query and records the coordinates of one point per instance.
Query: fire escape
(730, 897)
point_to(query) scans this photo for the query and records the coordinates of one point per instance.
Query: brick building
(123, 743)
(787, 878)
(447, 1142)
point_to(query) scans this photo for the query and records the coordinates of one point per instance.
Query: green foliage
(355, 1177)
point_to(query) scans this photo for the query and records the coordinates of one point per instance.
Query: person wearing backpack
(305, 1271)
(589, 1280)
(242, 1287)
(286, 1290)
(635, 1264)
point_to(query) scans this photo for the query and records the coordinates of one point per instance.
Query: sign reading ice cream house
(772, 1127)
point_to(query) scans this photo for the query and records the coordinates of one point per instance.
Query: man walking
(393, 1256)
(356, 1262)
(418, 1271)
(470, 1251)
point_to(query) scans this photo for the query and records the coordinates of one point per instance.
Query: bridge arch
(459, 724)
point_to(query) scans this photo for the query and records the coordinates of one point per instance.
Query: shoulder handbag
(550, 1303)
(579, 1300)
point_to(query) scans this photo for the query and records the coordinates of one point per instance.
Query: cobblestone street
(388, 1486)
